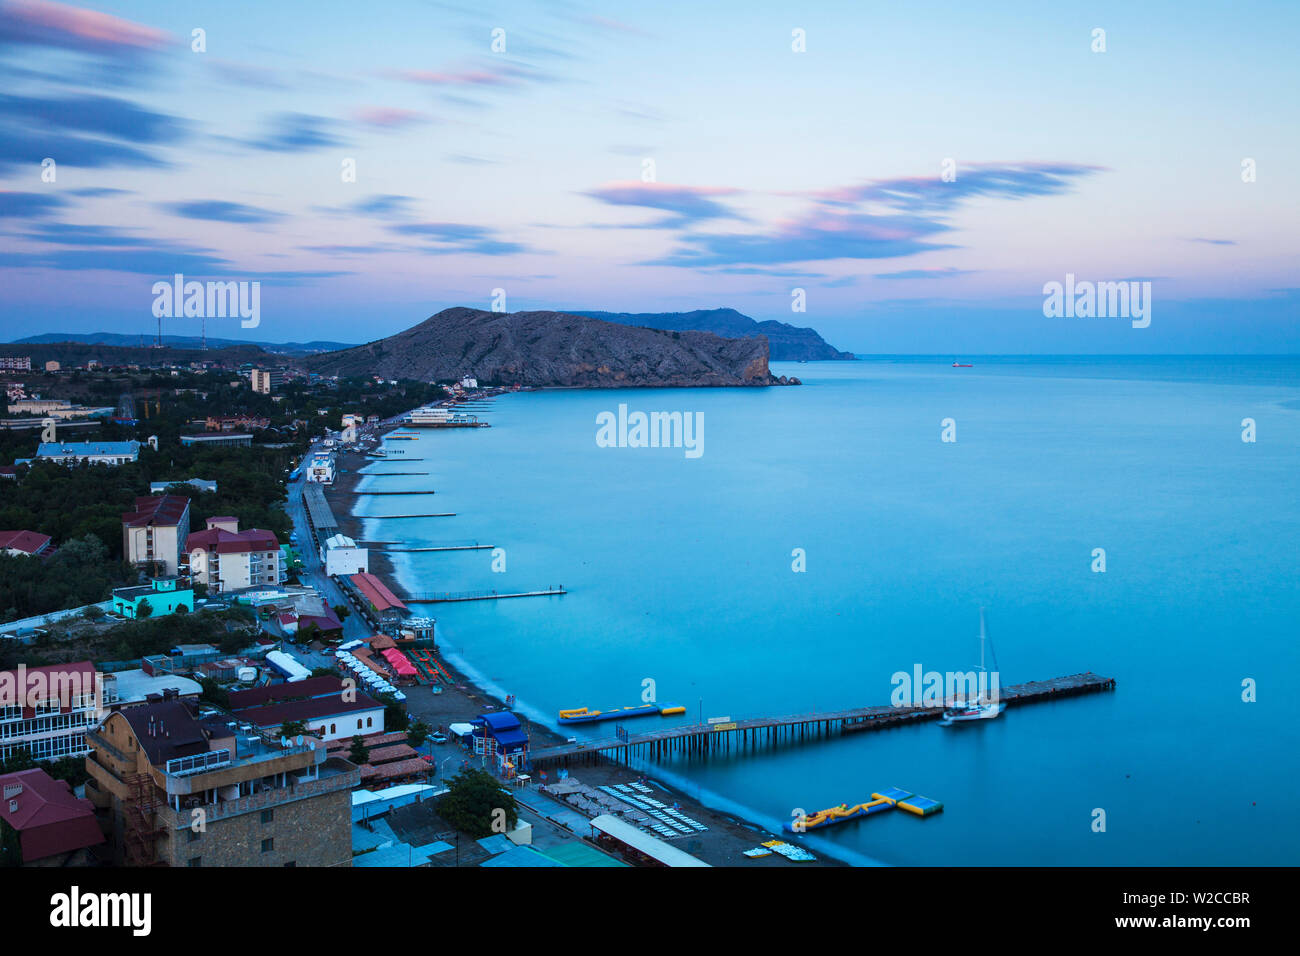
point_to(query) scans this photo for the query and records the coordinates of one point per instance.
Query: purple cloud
(687, 204)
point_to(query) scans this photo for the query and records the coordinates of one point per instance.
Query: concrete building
(51, 366)
(30, 543)
(226, 559)
(330, 709)
(136, 687)
(340, 555)
(48, 710)
(157, 532)
(261, 381)
(22, 363)
(88, 452)
(179, 787)
(163, 595)
(54, 827)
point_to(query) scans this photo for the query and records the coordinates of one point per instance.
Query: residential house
(54, 827)
(156, 770)
(156, 532)
(163, 595)
(226, 559)
(30, 543)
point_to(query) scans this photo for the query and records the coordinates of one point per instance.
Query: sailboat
(981, 708)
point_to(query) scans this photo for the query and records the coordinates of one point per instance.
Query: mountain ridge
(550, 349)
(787, 343)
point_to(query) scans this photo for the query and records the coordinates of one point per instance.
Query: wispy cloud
(926, 274)
(42, 23)
(295, 133)
(15, 205)
(456, 237)
(217, 210)
(688, 204)
(1215, 242)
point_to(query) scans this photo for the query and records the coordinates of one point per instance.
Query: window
(195, 861)
(369, 721)
(193, 835)
(292, 863)
(268, 844)
(268, 816)
(331, 728)
(358, 723)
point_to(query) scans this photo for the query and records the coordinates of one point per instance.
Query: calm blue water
(680, 571)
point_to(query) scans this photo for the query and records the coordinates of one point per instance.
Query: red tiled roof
(229, 542)
(311, 687)
(315, 708)
(391, 753)
(32, 542)
(48, 818)
(157, 510)
(376, 592)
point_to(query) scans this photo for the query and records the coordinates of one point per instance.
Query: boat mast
(981, 639)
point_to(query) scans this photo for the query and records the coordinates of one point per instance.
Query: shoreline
(729, 834)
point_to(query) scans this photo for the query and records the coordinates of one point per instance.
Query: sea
(1136, 517)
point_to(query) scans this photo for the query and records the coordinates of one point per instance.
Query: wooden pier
(444, 547)
(389, 474)
(438, 514)
(393, 492)
(447, 597)
(753, 733)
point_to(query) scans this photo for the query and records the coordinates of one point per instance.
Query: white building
(226, 559)
(340, 555)
(261, 381)
(90, 452)
(48, 710)
(321, 469)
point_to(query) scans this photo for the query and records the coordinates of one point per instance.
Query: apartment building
(47, 711)
(157, 532)
(179, 786)
(261, 381)
(226, 559)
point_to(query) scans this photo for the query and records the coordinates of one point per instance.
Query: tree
(476, 805)
(181, 609)
(214, 693)
(143, 610)
(395, 717)
(292, 728)
(341, 611)
(359, 752)
(417, 733)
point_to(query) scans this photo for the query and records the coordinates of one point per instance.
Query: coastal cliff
(554, 349)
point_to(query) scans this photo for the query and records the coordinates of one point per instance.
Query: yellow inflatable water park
(581, 715)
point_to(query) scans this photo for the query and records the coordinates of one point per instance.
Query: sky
(904, 178)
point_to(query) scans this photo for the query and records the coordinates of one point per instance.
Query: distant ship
(981, 708)
(960, 365)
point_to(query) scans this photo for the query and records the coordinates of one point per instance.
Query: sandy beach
(727, 837)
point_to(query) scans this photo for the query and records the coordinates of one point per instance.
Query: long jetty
(438, 514)
(446, 547)
(389, 474)
(447, 597)
(703, 739)
(393, 492)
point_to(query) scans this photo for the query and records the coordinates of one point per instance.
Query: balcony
(332, 779)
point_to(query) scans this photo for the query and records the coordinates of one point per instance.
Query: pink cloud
(42, 23)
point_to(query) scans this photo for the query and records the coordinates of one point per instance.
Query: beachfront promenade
(702, 739)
